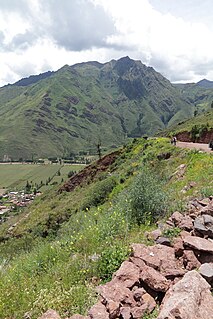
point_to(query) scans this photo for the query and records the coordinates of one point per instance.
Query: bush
(99, 192)
(146, 196)
(71, 173)
(110, 261)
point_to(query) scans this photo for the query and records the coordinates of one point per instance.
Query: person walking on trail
(174, 140)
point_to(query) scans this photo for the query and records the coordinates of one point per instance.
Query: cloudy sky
(173, 36)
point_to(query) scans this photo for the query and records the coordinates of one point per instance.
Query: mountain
(197, 129)
(206, 84)
(199, 94)
(72, 109)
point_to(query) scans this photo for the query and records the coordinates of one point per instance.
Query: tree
(27, 187)
(98, 145)
(195, 113)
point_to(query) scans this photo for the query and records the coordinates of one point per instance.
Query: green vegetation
(16, 176)
(53, 254)
(79, 107)
(173, 232)
(195, 126)
(147, 198)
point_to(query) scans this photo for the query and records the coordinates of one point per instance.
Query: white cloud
(176, 47)
(37, 35)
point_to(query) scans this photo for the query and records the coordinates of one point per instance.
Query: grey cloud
(201, 68)
(1, 39)
(78, 24)
(167, 69)
(23, 69)
(21, 41)
(182, 71)
(74, 25)
(14, 6)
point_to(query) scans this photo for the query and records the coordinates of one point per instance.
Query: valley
(73, 238)
(87, 174)
(76, 107)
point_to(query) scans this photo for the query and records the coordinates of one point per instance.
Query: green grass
(202, 121)
(15, 176)
(66, 244)
(78, 106)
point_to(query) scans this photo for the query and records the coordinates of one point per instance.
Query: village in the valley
(14, 200)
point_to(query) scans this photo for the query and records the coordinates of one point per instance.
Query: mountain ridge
(70, 109)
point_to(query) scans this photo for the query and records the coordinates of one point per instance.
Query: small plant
(152, 315)
(173, 232)
(206, 191)
(110, 261)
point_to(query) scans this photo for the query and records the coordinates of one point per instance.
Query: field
(15, 176)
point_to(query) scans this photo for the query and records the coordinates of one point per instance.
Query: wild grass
(65, 246)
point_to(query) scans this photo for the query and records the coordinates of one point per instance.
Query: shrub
(146, 196)
(111, 259)
(173, 232)
(70, 174)
(99, 192)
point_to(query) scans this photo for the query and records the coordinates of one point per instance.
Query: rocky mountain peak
(123, 65)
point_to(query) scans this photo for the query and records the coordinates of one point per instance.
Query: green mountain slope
(54, 253)
(197, 129)
(75, 107)
(199, 94)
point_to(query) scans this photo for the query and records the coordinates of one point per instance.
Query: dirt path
(198, 146)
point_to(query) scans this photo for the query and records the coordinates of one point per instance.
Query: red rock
(154, 279)
(149, 301)
(206, 271)
(176, 218)
(184, 234)
(190, 261)
(125, 312)
(198, 243)
(146, 254)
(204, 202)
(186, 223)
(114, 291)
(113, 309)
(50, 314)
(163, 241)
(207, 210)
(138, 262)
(98, 311)
(138, 293)
(190, 298)
(153, 235)
(170, 223)
(78, 317)
(128, 274)
(205, 257)
(138, 312)
(159, 257)
(178, 246)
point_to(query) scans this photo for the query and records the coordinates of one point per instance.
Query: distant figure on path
(174, 140)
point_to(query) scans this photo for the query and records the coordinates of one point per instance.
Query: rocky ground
(173, 275)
